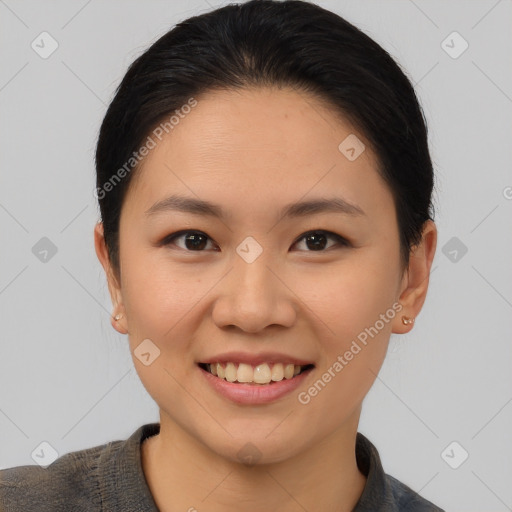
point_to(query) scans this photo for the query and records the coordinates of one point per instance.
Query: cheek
(355, 309)
(157, 297)
(349, 296)
(353, 303)
(158, 301)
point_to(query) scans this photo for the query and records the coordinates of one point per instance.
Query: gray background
(66, 377)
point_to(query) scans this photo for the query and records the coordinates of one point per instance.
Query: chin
(249, 448)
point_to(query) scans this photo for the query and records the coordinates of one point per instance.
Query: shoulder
(408, 500)
(70, 483)
(383, 492)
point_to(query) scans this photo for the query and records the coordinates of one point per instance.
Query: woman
(265, 187)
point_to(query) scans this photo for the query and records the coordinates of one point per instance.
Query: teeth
(288, 371)
(244, 373)
(277, 372)
(230, 372)
(261, 374)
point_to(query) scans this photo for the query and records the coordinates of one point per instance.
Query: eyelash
(168, 240)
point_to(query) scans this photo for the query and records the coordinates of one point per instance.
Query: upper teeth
(260, 374)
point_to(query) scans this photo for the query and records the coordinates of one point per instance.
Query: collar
(122, 488)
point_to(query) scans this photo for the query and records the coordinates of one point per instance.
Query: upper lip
(255, 359)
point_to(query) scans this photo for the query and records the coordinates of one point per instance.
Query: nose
(253, 296)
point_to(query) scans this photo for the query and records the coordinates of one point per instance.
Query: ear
(114, 286)
(416, 278)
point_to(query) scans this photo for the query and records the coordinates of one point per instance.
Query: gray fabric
(109, 478)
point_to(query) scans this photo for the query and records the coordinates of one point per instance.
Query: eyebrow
(299, 209)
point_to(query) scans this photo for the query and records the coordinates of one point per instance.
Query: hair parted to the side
(271, 43)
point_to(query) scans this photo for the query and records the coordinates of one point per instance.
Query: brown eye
(318, 240)
(193, 240)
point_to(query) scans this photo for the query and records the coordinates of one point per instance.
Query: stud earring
(407, 321)
(118, 317)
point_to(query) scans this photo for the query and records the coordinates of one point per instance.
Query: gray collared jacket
(110, 478)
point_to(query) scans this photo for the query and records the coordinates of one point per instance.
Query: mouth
(264, 374)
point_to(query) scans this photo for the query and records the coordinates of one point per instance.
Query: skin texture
(253, 151)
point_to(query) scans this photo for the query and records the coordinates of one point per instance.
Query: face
(255, 286)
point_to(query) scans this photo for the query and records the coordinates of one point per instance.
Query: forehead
(260, 143)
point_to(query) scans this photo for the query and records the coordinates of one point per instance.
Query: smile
(263, 374)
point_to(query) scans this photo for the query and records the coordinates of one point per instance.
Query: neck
(183, 474)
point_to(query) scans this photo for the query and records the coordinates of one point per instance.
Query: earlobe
(118, 324)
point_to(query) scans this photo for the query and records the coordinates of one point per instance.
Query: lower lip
(254, 393)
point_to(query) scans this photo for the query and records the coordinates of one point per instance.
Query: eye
(197, 241)
(316, 240)
(193, 240)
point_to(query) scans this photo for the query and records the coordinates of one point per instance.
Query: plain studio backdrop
(441, 408)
